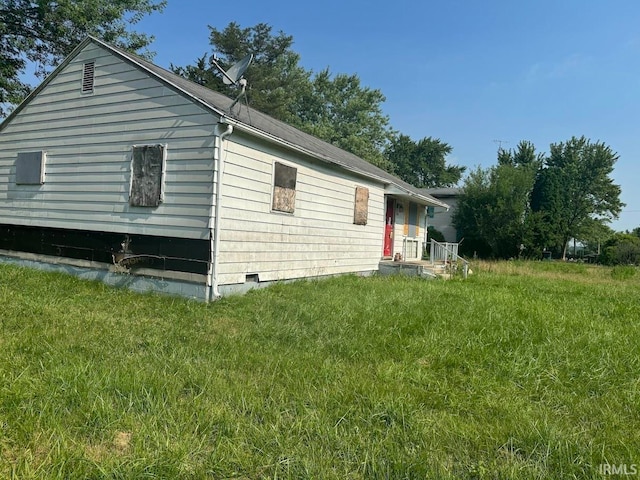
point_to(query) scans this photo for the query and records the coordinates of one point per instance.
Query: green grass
(526, 370)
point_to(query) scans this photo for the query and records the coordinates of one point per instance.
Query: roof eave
(404, 193)
(273, 138)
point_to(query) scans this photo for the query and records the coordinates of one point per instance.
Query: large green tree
(573, 188)
(423, 163)
(42, 32)
(338, 109)
(335, 108)
(493, 213)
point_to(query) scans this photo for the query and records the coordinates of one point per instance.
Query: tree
(621, 249)
(523, 155)
(341, 111)
(493, 213)
(593, 235)
(423, 163)
(573, 188)
(335, 108)
(42, 32)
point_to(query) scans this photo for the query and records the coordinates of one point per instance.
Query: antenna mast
(499, 143)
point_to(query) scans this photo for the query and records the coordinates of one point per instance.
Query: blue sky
(467, 72)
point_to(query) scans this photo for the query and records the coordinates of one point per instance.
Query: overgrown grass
(526, 370)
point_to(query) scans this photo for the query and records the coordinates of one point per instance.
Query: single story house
(117, 169)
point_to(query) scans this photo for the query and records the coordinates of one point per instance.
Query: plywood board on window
(361, 211)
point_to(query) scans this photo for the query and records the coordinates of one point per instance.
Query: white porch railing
(447, 254)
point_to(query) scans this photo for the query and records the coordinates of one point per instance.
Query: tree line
(531, 203)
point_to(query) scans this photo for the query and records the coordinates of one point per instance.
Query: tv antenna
(499, 143)
(234, 76)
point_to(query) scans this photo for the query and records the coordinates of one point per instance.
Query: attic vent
(87, 77)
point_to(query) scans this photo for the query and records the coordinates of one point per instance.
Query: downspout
(214, 216)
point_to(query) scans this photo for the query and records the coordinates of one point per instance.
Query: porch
(444, 262)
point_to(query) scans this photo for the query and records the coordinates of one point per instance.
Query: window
(147, 175)
(30, 168)
(284, 188)
(88, 72)
(361, 210)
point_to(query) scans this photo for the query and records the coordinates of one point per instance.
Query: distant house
(442, 217)
(117, 169)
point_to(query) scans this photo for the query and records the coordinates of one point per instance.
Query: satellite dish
(234, 76)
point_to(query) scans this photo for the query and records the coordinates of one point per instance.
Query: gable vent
(87, 77)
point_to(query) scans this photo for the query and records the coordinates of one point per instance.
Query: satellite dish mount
(234, 76)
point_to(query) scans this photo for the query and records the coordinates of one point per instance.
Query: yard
(525, 370)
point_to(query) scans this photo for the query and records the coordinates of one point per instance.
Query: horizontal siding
(319, 238)
(88, 139)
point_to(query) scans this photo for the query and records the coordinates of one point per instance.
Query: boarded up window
(146, 175)
(284, 188)
(361, 211)
(88, 73)
(30, 168)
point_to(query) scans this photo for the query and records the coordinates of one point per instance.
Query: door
(388, 228)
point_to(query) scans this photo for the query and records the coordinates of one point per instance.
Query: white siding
(319, 238)
(88, 140)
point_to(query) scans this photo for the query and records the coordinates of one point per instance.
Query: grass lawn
(526, 370)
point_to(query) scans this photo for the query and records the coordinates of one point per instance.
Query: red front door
(387, 250)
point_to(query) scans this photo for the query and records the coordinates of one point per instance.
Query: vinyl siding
(319, 238)
(88, 140)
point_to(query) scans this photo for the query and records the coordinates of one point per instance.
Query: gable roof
(251, 121)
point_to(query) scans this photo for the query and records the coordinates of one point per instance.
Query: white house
(118, 169)
(442, 219)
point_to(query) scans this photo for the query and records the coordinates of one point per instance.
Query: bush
(436, 234)
(621, 249)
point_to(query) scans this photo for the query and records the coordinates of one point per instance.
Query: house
(442, 219)
(114, 168)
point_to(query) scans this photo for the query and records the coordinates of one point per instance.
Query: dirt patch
(122, 441)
